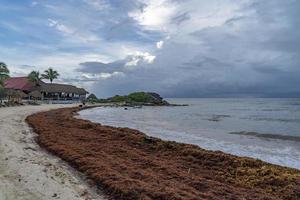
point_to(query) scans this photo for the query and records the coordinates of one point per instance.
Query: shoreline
(127, 164)
(27, 171)
(184, 125)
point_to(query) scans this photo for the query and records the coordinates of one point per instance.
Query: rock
(54, 195)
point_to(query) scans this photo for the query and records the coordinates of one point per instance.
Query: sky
(178, 48)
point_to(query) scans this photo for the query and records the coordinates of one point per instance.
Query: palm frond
(50, 74)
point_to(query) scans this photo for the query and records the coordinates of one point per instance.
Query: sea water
(266, 129)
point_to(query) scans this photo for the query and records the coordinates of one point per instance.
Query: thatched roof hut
(35, 94)
(23, 84)
(16, 93)
(59, 88)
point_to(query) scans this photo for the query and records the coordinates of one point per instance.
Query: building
(19, 83)
(45, 91)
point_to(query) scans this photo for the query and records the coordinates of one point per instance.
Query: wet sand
(127, 164)
(28, 172)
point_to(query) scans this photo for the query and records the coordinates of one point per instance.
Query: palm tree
(4, 72)
(50, 74)
(35, 77)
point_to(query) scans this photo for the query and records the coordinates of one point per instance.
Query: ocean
(262, 128)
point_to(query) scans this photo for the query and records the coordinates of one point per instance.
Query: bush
(135, 98)
(118, 98)
(139, 97)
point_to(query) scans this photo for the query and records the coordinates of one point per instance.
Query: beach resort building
(21, 87)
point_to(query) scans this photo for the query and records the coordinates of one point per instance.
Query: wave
(294, 104)
(217, 118)
(266, 135)
(272, 119)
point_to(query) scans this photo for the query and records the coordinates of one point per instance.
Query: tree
(50, 74)
(35, 77)
(4, 73)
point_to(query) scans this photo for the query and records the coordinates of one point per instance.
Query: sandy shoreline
(27, 172)
(127, 164)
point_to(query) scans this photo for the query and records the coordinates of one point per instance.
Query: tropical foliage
(137, 98)
(35, 77)
(50, 74)
(4, 73)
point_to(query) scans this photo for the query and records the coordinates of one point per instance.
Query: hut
(35, 95)
(15, 96)
(46, 91)
(60, 92)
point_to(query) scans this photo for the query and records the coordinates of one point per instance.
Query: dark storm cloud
(253, 53)
(201, 47)
(205, 62)
(99, 67)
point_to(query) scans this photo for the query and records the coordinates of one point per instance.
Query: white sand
(29, 173)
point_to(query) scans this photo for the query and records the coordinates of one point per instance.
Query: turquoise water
(267, 129)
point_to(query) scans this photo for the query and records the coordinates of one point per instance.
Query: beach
(265, 129)
(28, 172)
(149, 100)
(125, 163)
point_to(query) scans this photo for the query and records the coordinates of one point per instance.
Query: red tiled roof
(18, 83)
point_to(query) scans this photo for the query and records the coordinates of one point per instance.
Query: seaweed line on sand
(127, 164)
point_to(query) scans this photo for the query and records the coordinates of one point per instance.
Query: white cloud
(98, 4)
(73, 35)
(155, 15)
(159, 44)
(60, 27)
(102, 76)
(138, 57)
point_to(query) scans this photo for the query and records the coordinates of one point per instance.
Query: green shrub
(139, 97)
(118, 98)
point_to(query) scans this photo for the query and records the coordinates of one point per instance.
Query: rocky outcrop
(137, 99)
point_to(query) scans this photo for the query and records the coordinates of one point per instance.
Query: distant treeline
(136, 98)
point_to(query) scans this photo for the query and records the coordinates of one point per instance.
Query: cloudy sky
(178, 48)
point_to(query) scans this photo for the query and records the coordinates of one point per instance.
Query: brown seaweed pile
(127, 164)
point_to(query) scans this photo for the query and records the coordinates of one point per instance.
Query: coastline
(192, 125)
(127, 164)
(28, 172)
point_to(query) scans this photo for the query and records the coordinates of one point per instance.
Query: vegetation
(50, 74)
(157, 169)
(4, 73)
(140, 97)
(136, 98)
(118, 98)
(35, 77)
